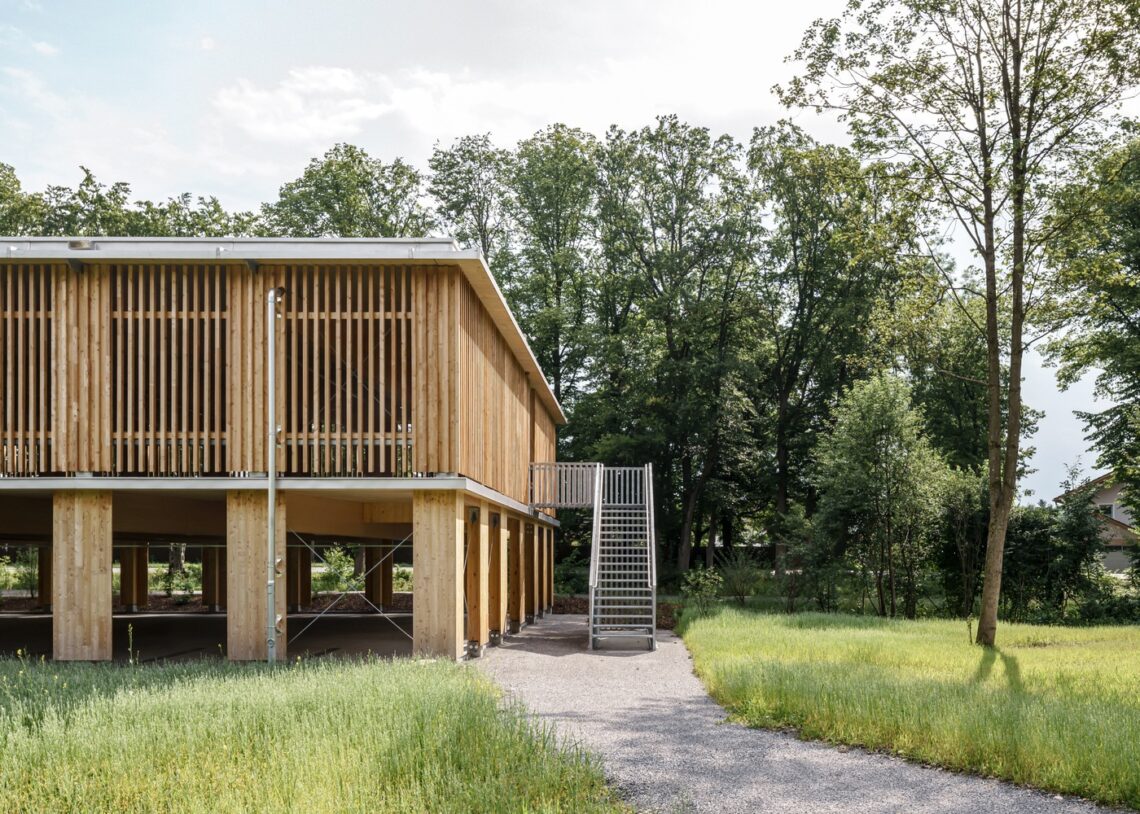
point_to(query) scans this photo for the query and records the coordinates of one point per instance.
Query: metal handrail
(562, 485)
(596, 532)
(651, 529)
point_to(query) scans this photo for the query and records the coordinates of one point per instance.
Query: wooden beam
(299, 575)
(530, 573)
(81, 565)
(550, 569)
(478, 578)
(516, 610)
(246, 551)
(437, 561)
(128, 579)
(43, 575)
(497, 591)
(378, 584)
(213, 579)
(540, 571)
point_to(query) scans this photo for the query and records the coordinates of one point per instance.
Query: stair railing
(651, 529)
(596, 532)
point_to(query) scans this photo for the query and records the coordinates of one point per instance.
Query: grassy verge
(311, 737)
(1055, 708)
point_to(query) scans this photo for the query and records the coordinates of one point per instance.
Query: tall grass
(311, 737)
(1055, 708)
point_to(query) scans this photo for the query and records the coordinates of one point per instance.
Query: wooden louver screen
(347, 376)
(25, 369)
(168, 354)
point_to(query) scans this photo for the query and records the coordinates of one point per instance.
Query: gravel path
(667, 747)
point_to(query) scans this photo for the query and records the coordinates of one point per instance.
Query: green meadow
(1055, 708)
(328, 736)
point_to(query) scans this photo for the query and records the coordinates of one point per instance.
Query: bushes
(701, 587)
(339, 572)
(740, 574)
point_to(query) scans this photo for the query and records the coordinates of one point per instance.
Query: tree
(185, 216)
(989, 101)
(673, 221)
(92, 208)
(20, 213)
(469, 184)
(347, 193)
(554, 188)
(832, 252)
(1099, 267)
(880, 485)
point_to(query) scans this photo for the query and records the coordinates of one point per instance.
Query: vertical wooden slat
(338, 382)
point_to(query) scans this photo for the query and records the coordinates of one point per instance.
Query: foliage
(26, 570)
(1099, 267)
(402, 736)
(338, 573)
(1051, 558)
(572, 574)
(880, 484)
(347, 193)
(740, 574)
(469, 185)
(1053, 708)
(991, 103)
(701, 587)
(401, 578)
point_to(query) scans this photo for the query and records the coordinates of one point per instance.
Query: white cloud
(207, 43)
(311, 105)
(20, 41)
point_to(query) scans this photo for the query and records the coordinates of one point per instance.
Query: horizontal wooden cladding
(347, 381)
(25, 371)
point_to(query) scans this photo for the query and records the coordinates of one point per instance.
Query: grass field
(1055, 708)
(310, 737)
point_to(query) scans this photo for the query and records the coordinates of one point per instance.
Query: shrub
(740, 574)
(701, 587)
(572, 575)
(26, 576)
(338, 572)
(401, 578)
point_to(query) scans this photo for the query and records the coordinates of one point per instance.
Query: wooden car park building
(147, 387)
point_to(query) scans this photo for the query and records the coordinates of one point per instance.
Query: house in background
(1118, 532)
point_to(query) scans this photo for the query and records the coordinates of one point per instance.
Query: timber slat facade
(159, 369)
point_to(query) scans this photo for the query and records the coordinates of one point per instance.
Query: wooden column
(81, 565)
(497, 590)
(214, 578)
(540, 571)
(530, 573)
(516, 609)
(43, 576)
(133, 588)
(299, 575)
(550, 569)
(437, 561)
(378, 583)
(246, 551)
(477, 578)
(387, 569)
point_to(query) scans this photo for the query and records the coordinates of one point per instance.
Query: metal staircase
(623, 568)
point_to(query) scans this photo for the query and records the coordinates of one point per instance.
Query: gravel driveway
(667, 747)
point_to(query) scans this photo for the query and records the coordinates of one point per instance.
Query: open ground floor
(479, 564)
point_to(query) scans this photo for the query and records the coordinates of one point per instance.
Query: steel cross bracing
(623, 571)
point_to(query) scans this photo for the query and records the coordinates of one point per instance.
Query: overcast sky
(233, 98)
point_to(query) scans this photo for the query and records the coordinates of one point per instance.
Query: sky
(233, 98)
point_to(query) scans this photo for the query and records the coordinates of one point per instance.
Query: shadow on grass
(990, 656)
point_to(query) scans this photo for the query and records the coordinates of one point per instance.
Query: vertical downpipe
(273, 429)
